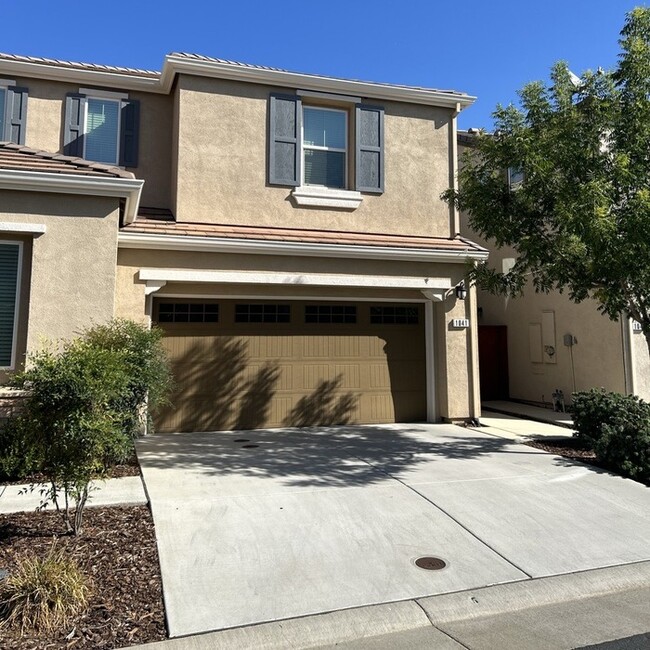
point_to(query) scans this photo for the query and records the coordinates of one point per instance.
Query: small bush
(43, 594)
(617, 427)
(17, 459)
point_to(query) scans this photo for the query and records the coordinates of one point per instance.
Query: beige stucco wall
(640, 365)
(222, 165)
(456, 372)
(45, 116)
(72, 279)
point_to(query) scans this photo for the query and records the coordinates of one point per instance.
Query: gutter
(129, 189)
(301, 249)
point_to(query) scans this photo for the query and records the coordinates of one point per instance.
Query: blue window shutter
(369, 149)
(16, 115)
(9, 258)
(129, 133)
(285, 118)
(73, 135)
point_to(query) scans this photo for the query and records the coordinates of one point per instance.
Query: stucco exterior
(222, 165)
(68, 280)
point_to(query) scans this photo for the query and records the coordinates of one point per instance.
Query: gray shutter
(73, 135)
(16, 115)
(285, 119)
(9, 256)
(129, 133)
(370, 148)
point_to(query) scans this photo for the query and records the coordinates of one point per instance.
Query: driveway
(265, 525)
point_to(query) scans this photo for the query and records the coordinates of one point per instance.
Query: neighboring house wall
(222, 165)
(66, 284)
(45, 119)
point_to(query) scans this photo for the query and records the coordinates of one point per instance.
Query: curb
(348, 625)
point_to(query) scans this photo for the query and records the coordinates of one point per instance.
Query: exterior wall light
(461, 291)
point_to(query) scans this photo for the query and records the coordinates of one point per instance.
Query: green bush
(618, 429)
(43, 593)
(85, 406)
(17, 459)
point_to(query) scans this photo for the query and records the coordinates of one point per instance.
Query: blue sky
(485, 48)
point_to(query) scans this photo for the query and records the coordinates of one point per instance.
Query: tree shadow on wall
(324, 407)
(256, 399)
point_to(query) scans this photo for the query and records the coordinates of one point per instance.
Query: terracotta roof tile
(20, 158)
(222, 231)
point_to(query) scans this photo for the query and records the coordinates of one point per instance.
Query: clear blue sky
(482, 47)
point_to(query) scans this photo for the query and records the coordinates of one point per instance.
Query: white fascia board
(23, 228)
(30, 181)
(180, 65)
(300, 249)
(158, 276)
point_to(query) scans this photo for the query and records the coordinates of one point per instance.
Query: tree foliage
(580, 220)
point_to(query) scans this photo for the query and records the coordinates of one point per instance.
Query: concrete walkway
(528, 412)
(269, 525)
(112, 492)
(516, 428)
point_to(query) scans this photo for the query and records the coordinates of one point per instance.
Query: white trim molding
(175, 65)
(151, 276)
(153, 241)
(23, 228)
(96, 93)
(129, 189)
(326, 197)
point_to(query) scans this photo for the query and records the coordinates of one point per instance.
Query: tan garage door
(245, 365)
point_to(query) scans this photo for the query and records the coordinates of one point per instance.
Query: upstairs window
(13, 112)
(331, 148)
(324, 144)
(102, 127)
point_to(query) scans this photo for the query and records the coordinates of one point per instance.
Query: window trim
(19, 276)
(120, 102)
(346, 151)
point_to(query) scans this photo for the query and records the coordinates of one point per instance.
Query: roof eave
(129, 189)
(302, 249)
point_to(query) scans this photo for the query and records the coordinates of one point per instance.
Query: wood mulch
(572, 448)
(117, 550)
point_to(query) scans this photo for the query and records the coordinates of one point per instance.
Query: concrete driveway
(265, 525)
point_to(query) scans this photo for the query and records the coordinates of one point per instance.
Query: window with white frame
(102, 126)
(102, 130)
(325, 147)
(10, 263)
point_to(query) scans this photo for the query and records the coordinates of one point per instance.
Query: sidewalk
(127, 490)
(529, 412)
(559, 612)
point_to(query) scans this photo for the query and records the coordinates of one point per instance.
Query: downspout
(629, 365)
(454, 217)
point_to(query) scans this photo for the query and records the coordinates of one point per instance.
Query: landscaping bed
(571, 448)
(118, 552)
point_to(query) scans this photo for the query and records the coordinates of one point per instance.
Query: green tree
(580, 219)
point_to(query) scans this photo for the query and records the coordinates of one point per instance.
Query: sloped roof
(223, 231)
(20, 158)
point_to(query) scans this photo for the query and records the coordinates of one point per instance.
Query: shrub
(17, 459)
(85, 406)
(43, 593)
(617, 427)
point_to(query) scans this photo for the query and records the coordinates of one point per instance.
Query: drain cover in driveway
(249, 446)
(430, 563)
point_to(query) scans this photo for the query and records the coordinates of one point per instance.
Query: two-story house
(285, 230)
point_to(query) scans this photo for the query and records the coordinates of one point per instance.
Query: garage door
(246, 365)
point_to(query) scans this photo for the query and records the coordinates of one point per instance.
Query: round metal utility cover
(242, 440)
(430, 563)
(249, 446)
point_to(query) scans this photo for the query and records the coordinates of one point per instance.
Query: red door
(493, 361)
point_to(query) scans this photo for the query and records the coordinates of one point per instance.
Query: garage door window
(183, 312)
(330, 314)
(252, 313)
(394, 315)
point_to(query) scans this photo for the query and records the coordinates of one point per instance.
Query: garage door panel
(248, 375)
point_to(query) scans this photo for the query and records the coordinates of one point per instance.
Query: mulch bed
(571, 448)
(128, 468)
(118, 551)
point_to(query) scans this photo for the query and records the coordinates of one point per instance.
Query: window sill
(326, 197)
